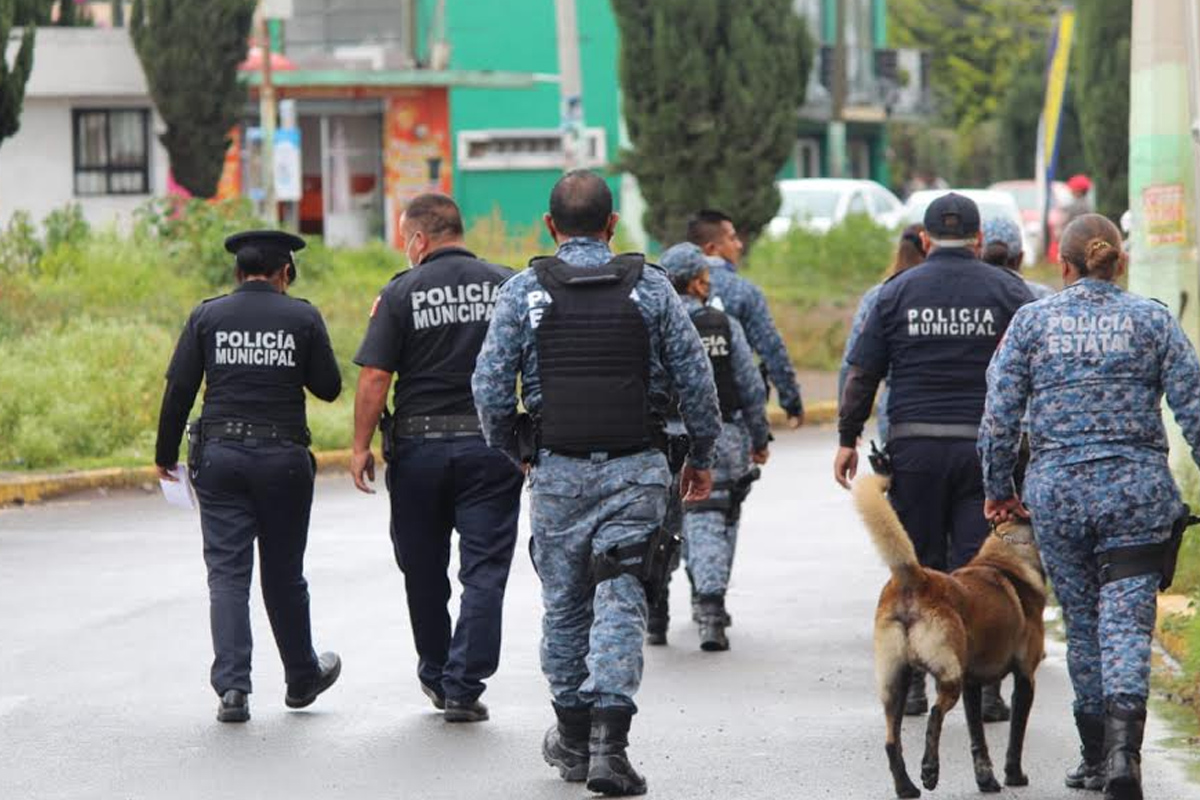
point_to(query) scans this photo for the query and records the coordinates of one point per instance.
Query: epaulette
(658, 267)
(301, 299)
(1160, 302)
(210, 299)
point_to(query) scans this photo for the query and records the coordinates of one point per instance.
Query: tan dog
(967, 628)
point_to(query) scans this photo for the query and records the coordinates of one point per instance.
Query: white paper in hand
(179, 492)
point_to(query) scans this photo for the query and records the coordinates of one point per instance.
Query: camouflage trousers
(1081, 510)
(592, 635)
(710, 537)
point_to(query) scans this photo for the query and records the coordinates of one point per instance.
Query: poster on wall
(416, 151)
(1164, 213)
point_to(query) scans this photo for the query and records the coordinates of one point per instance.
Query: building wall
(520, 35)
(74, 68)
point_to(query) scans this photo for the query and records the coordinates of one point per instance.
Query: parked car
(820, 203)
(991, 204)
(1026, 195)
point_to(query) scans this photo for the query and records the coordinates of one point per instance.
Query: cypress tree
(190, 52)
(1101, 81)
(710, 93)
(14, 78)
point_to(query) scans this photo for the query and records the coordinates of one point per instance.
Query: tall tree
(190, 52)
(14, 78)
(1101, 80)
(710, 91)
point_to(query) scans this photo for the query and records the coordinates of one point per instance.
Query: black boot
(916, 703)
(1090, 772)
(1124, 725)
(712, 623)
(994, 707)
(659, 620)
(566, 744)
(609, 771)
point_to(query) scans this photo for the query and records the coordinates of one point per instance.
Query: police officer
(598, 343)
(257, 350)
(1092, 363)
(427, 327)
(910, 251)
(714, 233)
(711, 526)
(935, 327)
(1002, 247)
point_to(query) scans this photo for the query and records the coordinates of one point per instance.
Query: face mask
(411, 262)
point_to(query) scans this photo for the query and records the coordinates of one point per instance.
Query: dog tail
(888, 534)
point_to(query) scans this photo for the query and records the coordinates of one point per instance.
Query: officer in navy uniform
(427, 327)
(935, 328)
(257, 350)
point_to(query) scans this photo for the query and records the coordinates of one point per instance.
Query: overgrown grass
(814, 281)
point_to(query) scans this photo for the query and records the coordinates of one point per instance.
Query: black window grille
(112, 151)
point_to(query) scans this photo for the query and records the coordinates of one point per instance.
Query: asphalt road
(105, 651)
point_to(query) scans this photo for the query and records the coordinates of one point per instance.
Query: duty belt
(437, 427)
(658, 441)
(931, 430)
(243, 431)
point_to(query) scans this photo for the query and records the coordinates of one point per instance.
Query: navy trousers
(937, 491)
(438, 486)
(261, 493)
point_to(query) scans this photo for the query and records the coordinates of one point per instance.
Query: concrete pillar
(1162, 179)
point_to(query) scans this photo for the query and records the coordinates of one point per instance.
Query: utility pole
(570, 82)
(266, 111)
(837, 114)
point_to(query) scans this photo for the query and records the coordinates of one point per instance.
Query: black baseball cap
(275, 246)
(952, 218)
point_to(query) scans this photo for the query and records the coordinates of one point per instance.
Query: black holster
(881, 460)
(731, 505)
(1148, 559)
(525, 439)
(195, 437)
(650, 561)
(387, 432)
(678, 447)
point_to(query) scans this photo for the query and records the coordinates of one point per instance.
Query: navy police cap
(274, 247)
(952, 218)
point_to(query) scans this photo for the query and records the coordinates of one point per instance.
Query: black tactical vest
(717, 336)
(593, 358)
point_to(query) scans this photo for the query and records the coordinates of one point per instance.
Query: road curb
(26, 489)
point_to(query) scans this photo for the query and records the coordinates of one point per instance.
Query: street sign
(288, 183)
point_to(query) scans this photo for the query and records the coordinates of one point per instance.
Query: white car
(818, 204)
(991, 204)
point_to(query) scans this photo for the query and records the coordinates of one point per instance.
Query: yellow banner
(1056, 85)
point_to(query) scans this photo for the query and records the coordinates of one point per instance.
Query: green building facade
(505, 160)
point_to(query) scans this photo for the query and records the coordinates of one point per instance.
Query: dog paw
(908, 791)
(1015, 778)
(929, 776)
(987, 784)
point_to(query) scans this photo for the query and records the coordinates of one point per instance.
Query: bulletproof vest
(717, 337)
(593, 358)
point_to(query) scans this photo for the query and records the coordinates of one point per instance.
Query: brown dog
(968, 628)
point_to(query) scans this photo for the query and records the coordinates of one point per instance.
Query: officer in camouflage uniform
(600, 344)
(1093, 363)
(711, 527)
(714, 233)
(1002, 247)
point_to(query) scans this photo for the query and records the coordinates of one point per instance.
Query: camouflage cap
(683, 261)
(1004, 231)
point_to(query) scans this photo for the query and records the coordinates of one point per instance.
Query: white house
(89, 132)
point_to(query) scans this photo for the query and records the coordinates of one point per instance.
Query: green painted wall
(519, 35)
